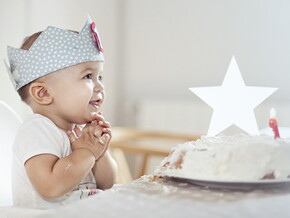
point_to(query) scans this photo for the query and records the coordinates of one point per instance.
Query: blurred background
(156, 49)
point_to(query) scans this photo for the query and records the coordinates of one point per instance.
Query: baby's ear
(39, 93)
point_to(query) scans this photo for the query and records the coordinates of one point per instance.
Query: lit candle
(273, 123)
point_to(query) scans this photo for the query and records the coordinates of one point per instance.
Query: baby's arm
(53, 177)
(105, 169)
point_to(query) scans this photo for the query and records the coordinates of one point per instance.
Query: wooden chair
(144, 143)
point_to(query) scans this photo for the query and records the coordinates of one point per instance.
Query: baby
(58, 73)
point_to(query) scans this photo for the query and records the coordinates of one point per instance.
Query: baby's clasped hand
(95, 136)
(106, 127)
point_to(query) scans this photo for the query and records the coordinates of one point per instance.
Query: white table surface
(19, 212)
(147, 198)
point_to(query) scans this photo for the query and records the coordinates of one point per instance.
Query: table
(153, 197)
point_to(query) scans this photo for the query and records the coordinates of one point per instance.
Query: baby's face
(77, 91)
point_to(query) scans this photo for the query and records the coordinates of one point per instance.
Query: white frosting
(229, 158)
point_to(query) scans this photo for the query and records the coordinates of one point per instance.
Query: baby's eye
(100, 78)
(88, 76)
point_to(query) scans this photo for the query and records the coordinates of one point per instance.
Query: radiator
(187, 116)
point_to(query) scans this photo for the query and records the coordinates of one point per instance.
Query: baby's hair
(27, 43)
(29, 40)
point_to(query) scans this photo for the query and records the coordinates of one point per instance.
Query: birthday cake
(229, 158)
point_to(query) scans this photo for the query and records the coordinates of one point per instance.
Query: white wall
(171, 45)
(12, 27)
(158, 49)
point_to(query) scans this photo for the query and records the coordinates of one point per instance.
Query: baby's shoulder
(38, 122)
(38, 135)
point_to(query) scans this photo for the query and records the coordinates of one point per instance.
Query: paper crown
(53, 50)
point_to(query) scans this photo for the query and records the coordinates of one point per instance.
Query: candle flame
(272, 113)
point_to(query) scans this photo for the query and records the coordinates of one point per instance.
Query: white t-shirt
(39, 135)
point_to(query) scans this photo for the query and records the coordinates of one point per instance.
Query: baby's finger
(77, 131)
(86, 128)
(97, 132)
(107, 131)
(98, 117)
(104, 139)
(71, 136)
(105, 124)
(93, 127)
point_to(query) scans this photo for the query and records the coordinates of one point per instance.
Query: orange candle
(273, 123)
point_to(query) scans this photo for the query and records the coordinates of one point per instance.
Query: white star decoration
(233, 102)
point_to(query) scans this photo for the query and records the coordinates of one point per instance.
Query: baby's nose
(99, 86)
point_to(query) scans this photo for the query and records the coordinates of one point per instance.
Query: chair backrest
(9, 122)
(144, 144)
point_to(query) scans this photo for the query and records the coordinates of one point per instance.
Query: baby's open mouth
(96, 103)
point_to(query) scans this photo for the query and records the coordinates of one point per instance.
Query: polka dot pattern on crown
(53, 50)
